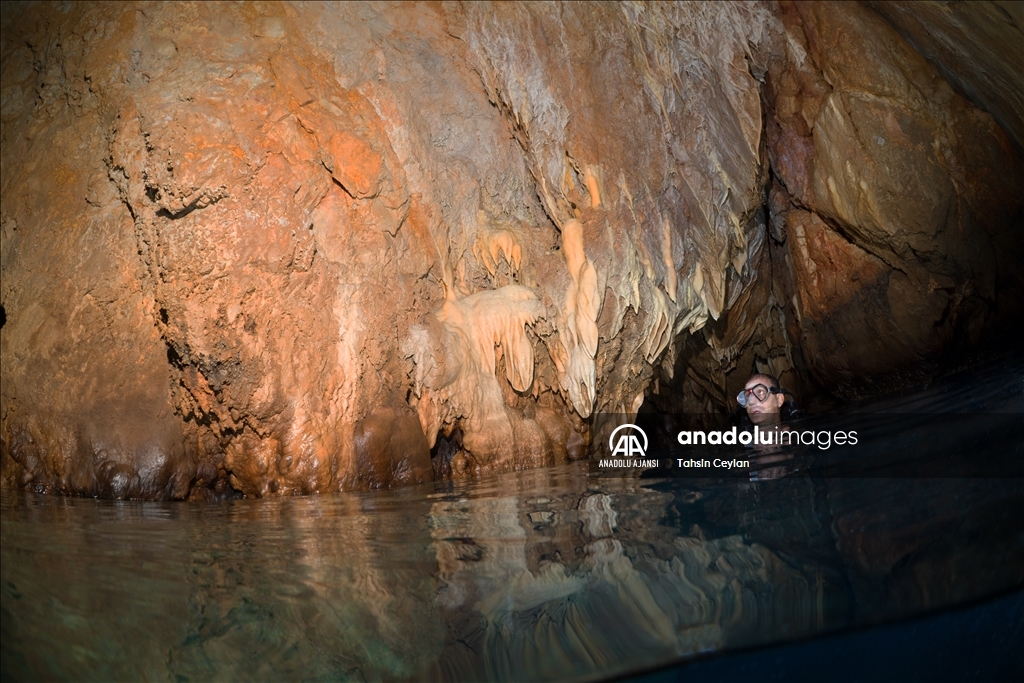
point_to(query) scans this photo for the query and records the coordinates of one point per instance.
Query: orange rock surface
(277, 248)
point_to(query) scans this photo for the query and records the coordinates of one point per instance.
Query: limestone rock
(977, 48)
(271, 249)
(913, 192)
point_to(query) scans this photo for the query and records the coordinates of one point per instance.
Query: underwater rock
(270, 249)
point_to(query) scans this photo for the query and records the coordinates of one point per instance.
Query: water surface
(548, 574)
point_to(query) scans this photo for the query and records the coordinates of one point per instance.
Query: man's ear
(782, 399)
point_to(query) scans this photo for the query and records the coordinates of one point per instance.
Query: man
(763, 398)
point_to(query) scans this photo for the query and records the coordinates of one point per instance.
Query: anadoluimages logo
(628, 445)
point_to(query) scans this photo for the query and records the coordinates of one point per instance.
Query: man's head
(763, 399)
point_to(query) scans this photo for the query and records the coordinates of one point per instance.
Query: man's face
(762, 410)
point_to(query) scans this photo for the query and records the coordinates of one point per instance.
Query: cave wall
(899, 199)
(976, 47)
(274, 248)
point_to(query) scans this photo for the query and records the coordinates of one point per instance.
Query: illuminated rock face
(292, 248)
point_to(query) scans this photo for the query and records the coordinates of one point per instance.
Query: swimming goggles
(759, 390)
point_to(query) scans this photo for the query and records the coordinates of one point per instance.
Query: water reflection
(541, 575)
(570, 584)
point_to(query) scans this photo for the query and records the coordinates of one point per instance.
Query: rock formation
(278, 248)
